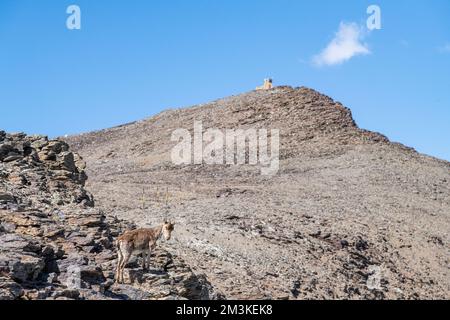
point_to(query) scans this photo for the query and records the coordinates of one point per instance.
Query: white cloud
(346, 44)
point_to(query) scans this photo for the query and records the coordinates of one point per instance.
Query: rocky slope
(349, 215)
(55, 245)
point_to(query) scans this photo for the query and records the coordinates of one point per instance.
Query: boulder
(67, 293)
(58, 146)
(26, 268)
(67, 161)
(6, 197)
(11, 158)
(5, 149)
(9, 289)
(39, 142)
(46, 155)
(11, 242)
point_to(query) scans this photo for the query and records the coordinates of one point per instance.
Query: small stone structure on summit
(268, 84)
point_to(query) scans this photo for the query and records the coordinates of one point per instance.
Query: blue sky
(132, 59)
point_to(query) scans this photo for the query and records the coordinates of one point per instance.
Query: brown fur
(139, 241)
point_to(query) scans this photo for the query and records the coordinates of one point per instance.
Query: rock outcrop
(55, 245)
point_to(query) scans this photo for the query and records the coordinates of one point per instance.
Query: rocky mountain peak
(343, 218)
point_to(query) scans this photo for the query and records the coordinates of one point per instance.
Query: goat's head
(167, 229)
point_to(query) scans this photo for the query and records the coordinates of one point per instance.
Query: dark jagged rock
(53, 243)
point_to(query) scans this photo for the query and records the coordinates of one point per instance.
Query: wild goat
(140, 241)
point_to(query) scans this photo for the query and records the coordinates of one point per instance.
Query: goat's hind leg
(126, 259)
(119, 262)
(126, 252)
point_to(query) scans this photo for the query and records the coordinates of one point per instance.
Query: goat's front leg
(149, 255)
(151, 248)
(119, 263)
(145, 261)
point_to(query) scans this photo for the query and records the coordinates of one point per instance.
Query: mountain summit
(348, 215)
